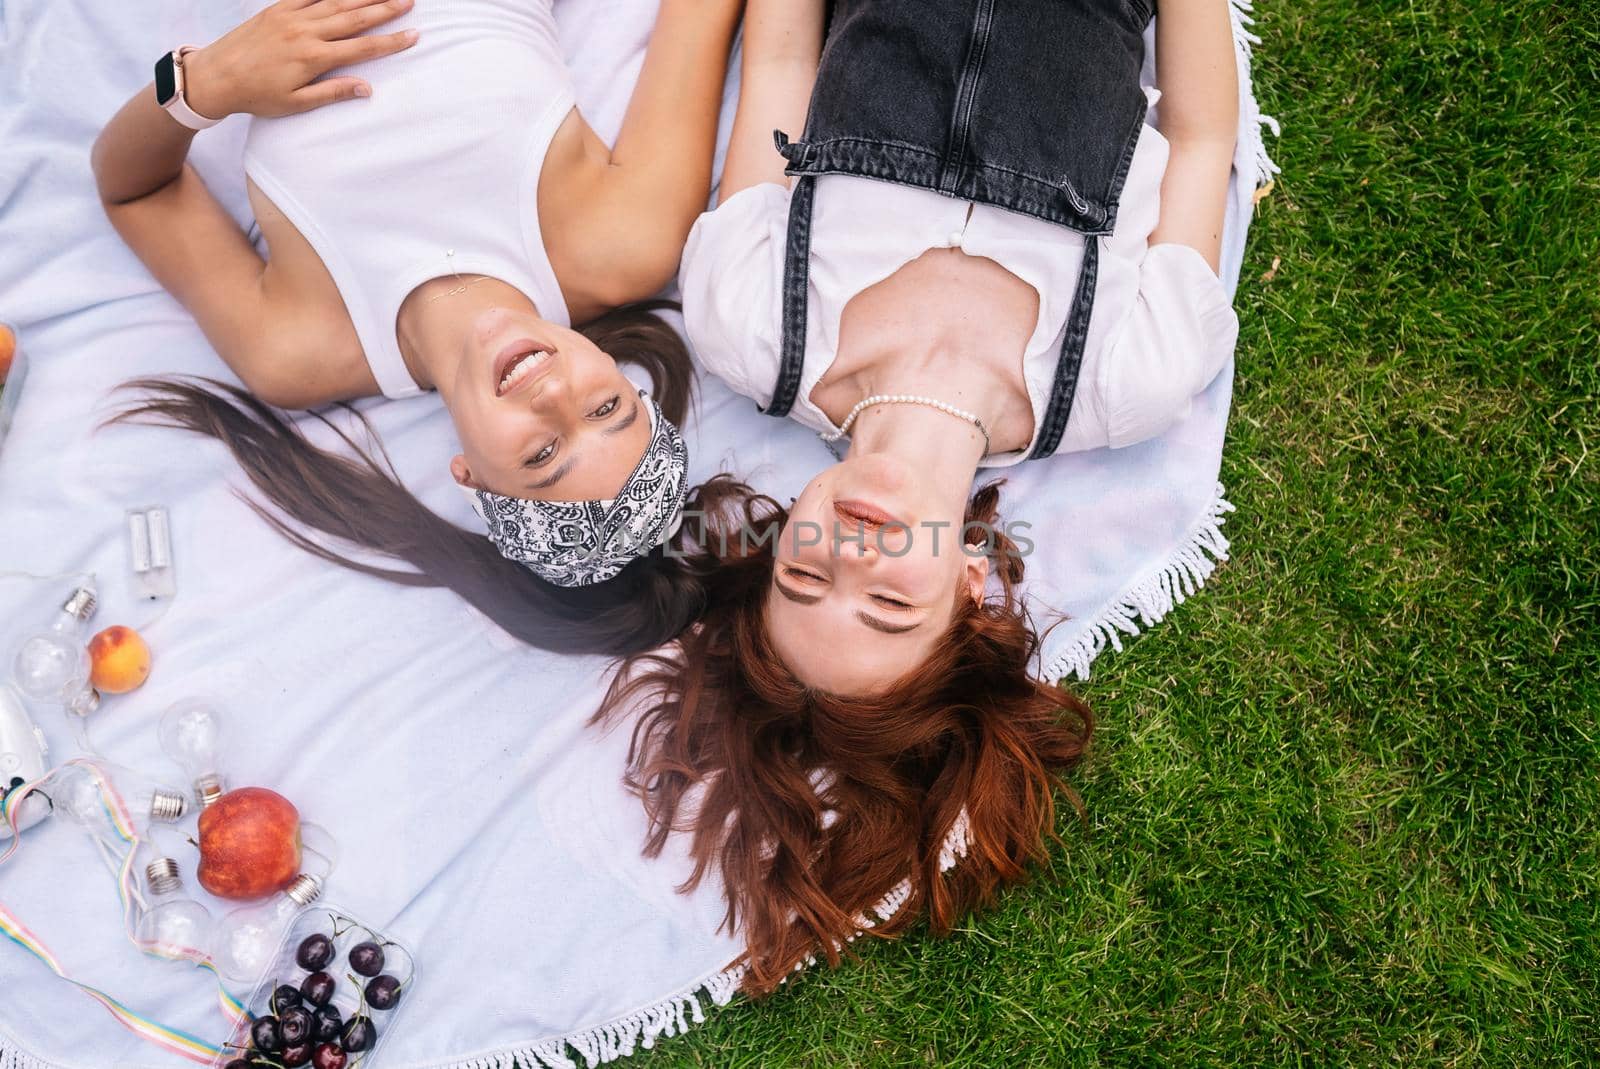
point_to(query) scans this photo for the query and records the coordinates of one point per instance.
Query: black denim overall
(1033, 106)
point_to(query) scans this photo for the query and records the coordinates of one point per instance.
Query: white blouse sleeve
(732, 281)
(1179, 334)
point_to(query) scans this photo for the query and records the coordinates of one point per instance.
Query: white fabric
(1161, 329)
(478, 815)
(436, 173)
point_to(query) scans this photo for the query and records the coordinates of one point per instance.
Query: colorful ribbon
(117, 812)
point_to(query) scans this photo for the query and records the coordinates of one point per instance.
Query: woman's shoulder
(740, 224)
(731, 277)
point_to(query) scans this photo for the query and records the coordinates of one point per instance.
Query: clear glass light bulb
(173, 925)
(189, 737)
(75, 794)
(53, 665)
(74, 788)
(243, 941)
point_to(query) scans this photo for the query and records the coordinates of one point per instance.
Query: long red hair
(812, 807)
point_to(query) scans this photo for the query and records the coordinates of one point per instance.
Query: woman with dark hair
(438, 215)
(977, 253)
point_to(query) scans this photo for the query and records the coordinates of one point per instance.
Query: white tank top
(436, 173)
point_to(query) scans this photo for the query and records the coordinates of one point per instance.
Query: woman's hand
(269, 66)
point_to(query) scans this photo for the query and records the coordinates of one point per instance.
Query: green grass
(1344, 808)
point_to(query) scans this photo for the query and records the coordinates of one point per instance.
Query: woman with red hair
(975, 252)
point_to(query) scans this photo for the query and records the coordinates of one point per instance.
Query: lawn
(1344, 808)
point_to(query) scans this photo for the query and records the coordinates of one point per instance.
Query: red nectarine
(249, 844)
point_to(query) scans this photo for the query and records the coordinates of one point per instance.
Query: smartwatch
(169, 90)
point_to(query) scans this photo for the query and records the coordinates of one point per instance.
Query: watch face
(166, 80)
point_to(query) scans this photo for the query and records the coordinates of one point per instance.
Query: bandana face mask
(581, 543)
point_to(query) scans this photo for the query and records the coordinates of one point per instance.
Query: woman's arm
(782, 46)
(619, 215)
(1199, 82)
(164, 212)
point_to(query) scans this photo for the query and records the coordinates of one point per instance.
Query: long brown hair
(812, 807)
(357, 499)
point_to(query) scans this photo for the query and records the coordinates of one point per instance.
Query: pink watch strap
(178, 107)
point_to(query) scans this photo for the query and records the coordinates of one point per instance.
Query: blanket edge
(1148, 599)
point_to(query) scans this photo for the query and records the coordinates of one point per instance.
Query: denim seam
(1023, 204)
(966, 98)
(870, 142)
(1113, 195)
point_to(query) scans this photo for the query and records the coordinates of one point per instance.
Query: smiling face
(866, 576)
(542, 413)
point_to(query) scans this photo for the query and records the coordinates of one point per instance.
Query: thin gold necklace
(461, 285)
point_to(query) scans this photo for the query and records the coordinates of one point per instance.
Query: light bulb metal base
(163, 876)
(81, 605)
(167, 807)
(305, 889)
(207, 789)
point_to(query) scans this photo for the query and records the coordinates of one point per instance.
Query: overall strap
(796, 288)
(1066, 383)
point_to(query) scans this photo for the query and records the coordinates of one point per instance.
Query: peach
(8, 351)
(120, 659)
(249, 844)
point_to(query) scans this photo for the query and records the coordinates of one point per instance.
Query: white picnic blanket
(478, 817)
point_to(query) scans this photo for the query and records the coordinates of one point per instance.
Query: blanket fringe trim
(1148, 599)
(675, 1014)
(11, 1058)
(1252, 123)
(603, 1043)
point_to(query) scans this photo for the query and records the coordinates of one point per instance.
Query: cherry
(316, 950)
(326, 1023)
(264, 1034)
(367, 958)
(285, 997)
(298, 1054)
(383, 992)
(239, 1063)
(359, 1034)
(294, 1026)
(328, 1056)
(318, 988)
